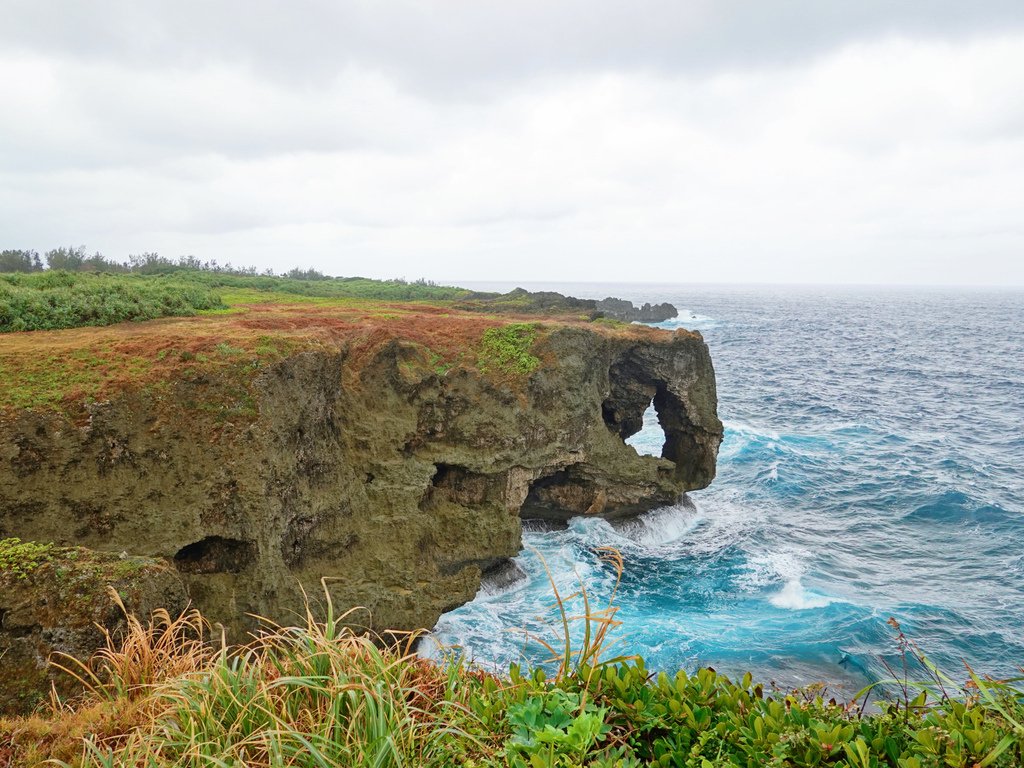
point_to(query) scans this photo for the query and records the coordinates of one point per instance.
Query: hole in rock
(456, 484)
(650, 439)
(639, 406)
(215, 554)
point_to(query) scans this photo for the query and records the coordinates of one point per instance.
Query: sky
(676, 141)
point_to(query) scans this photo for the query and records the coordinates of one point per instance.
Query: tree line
(77, 259)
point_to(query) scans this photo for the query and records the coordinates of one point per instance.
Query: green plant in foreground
(19, 558)
(555, 728)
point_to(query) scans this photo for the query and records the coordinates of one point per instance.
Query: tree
(69, 259)
(20, 261)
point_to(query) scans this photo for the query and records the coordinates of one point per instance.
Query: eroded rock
(397, 482)
(59, 604)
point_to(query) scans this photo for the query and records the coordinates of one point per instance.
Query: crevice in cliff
(561, 495)
(456, 484)
(215, 554)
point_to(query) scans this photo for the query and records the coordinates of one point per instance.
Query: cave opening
(215, 554)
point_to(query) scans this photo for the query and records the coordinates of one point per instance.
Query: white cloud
(889, 159)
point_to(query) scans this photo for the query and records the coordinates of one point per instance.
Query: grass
(211, 334)
(215, 358)
(507, 349)
(55, 299)
(317, 695)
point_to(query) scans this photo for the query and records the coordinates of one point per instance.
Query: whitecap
(793, 596)
(769, 568)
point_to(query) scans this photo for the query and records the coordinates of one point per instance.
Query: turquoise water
(872, 467)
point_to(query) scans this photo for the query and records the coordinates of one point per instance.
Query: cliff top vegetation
(203, 322)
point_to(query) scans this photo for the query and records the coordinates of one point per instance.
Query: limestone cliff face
(398, 482)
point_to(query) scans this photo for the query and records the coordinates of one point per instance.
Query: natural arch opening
(650, 439)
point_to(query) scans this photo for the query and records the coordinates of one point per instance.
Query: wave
(793, 596)
(688, 319)
(506, 577)
(660, 526)
(769, 568)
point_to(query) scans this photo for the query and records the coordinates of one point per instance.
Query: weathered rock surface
(620, 309)
(59, 607)
(395, 480)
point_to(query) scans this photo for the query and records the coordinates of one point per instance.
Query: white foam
(686, 319)
(794, 597)
(660, 526)
(769, 568)
(749, 430)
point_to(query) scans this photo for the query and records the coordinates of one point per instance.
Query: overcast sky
(847, 141)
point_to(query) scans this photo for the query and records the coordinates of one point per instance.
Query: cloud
(475, 47)
(693, 142)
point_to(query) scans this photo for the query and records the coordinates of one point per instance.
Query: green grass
(54, 300)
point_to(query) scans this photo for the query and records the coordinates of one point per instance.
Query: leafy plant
(507, 349)
(554, 728)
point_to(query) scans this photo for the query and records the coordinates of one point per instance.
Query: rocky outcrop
(60, 604)
(521, 300)
(395, 480)
(620, 309)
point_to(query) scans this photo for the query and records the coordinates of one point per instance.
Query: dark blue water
(872, 467)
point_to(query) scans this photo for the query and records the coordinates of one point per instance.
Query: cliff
(392, 450)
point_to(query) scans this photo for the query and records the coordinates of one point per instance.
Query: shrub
(507, 349)
(19, 558)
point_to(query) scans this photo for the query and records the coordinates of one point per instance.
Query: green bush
(507, 349)
(53, 300)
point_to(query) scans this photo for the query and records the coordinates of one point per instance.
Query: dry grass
(315, 695)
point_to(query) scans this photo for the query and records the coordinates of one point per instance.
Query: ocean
(872, 468)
